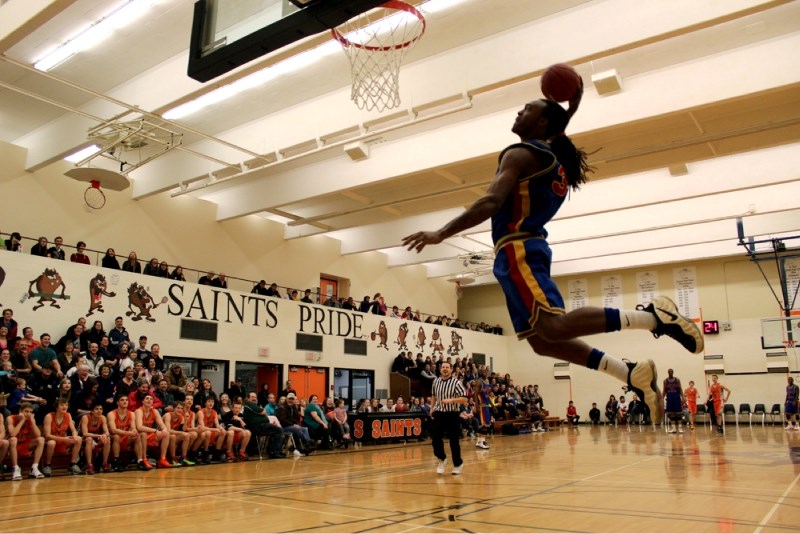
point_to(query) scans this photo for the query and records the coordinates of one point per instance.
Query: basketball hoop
(94, 196)
(376, 42)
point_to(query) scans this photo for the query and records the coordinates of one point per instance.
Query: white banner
(646, 287)
(686, 296)
(577, 293)
(792, 269)
(611, 287)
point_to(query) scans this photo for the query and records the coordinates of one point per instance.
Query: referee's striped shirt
(451, 388)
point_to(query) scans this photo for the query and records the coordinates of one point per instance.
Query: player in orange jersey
(153, 433)
(94, 429)
(30, 442)
(122, 427)
(62, 439)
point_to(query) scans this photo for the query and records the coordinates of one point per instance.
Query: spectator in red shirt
(79, 256)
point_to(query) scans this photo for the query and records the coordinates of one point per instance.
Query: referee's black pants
(447, 424)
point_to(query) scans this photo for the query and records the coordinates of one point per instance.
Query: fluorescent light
(435, 6)
(83, 153)
(89, 36)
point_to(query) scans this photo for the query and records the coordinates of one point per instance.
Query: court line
(775, 507)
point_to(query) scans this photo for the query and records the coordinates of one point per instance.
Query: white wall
(731, 289)
(264, 323)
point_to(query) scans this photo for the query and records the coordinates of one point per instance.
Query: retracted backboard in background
(227, 34)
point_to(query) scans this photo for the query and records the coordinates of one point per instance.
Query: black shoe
(276, 456)
(720, 430)
(116, 466)
(669, 322)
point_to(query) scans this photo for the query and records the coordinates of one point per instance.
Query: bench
(552, 422)
(520, 424)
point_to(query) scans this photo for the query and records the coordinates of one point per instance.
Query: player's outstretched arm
(514, 162)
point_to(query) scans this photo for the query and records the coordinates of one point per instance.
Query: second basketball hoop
(376, 42)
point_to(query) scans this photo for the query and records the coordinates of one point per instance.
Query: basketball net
(376, 42)
(94, 197)
(791, 353)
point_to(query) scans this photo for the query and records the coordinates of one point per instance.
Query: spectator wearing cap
(235, 389)
(288, 415)
(260, 288)
(176, 381)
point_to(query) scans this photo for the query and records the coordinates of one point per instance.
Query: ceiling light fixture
(94, 33)
(83, 153)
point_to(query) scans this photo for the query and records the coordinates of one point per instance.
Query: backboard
(774, 332)
(228, 34)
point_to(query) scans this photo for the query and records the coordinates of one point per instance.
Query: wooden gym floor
(570, 480)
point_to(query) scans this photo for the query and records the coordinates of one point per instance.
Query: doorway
(253, 375)
(308, 381)
(327, 288)
(353, 385)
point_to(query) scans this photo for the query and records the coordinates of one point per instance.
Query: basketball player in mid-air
(532, 180)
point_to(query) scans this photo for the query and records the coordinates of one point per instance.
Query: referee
(448, 393)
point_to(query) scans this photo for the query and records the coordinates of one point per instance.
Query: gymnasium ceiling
(705, 129)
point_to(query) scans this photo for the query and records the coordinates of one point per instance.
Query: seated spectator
(151, 269)
(132, 265)
(234, 421)
(389, 408)
(67, 358)
(288, 415)
(151, 372)
(29, 440)
(93, 359)
(594, 414)
(307, 297)
(118, 335)
(293, 295)
(14, 242)
(349, 304)
(469, 422)
(400, 406)
(260, 288)
(152, 432)
(110, 260)
(105, 388)
(177, 274)
(136, 397)
(612, 409)
(340, 419)
(572, 414)
(45, 385)
(206, 279)
(40, 248)
(163, 270)
(10, 323)
(637, 412)
(176, 382)
(408, 314)
(316, 422)
(43, 354)
(96, 438)
(124, 437)
(61, 438)
(235, 389)
(395, 314)
(220, 281)
(21, 395)
(362, 406)
(56, 252)
(375, 406)
(180, 433)
(96, 333)
(622, 411)
(163, 394)
(208, 421)
(273, 291)
(20, 359)
(78, 256)
(331, 301)
(271, 407)
(378, 306)
(256, 419)
(536, 417)
(127, 384)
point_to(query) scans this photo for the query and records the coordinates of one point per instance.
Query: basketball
(560, 82)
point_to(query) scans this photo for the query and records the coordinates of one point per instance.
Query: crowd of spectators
(375, 305)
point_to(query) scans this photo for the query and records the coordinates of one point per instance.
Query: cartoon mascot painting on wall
(436, 342)
(420, 339)
(456, 344)
(402, 333)
(98, 288)
(382, 334)
(140, 303)
(47, 285)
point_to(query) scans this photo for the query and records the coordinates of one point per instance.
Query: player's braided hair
(571, 157)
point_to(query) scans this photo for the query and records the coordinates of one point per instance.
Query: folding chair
(775, 412)
(263, 443)
(761, 410)
(744, 409)
(729, 409)
(702, 412)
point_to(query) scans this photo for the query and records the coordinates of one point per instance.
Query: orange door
(270, 375)
(308, 381)
(327, 288)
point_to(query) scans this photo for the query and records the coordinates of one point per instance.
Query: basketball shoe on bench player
(530, 185)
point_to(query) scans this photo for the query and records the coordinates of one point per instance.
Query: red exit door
(308, 381)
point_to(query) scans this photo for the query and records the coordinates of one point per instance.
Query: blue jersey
(533, 201)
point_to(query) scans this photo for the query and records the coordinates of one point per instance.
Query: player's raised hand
(419, 240)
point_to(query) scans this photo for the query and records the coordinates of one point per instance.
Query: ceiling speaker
(607, 82)
(357, 151)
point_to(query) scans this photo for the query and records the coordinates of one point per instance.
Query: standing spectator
(718, 395)
(9, 322)
(307, 297)
(691, 403)
(263, 395)
(448, 394)
(177, 274)
(118, 335)
(132, 265)
(220, 281)
(206, 279)
(572, 414)
(235, 389)
(273, 291)
(594, 414)
(141, 351)
(792, 404)
(27, 335)
(155, 354)
(78, 256)
(365, 305)
(288, 389)
(260, 288)
(14, 243)
(40, 248)
(151, 269)
(56, 252)
(673, 393)
(349, 304)
(110, 260)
